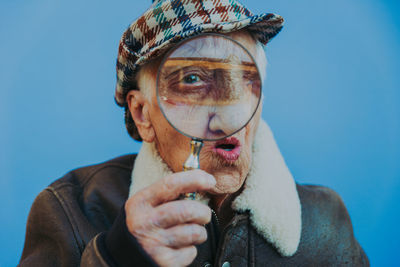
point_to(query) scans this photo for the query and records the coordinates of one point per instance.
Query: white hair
(147, 74)
(261, 60)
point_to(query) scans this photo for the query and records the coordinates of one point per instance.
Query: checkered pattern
(169, 21)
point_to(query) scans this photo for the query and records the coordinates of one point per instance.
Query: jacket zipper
(216, 217)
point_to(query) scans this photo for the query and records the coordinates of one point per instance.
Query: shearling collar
(269, 194)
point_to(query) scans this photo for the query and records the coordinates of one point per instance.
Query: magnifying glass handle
(192, 162)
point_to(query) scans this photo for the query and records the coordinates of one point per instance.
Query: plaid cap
(167, 22)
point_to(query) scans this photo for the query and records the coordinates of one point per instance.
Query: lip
(228, 155)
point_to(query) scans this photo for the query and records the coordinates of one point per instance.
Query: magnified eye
(191, 79)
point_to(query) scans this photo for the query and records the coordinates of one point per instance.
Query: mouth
(228, 148)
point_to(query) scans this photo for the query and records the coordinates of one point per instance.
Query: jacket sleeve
(329, 231)
(342, 235)
(117, 247)
(51, 240)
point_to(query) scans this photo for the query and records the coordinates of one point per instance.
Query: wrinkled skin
(168, 228)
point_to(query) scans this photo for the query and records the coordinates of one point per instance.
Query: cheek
(247, 151)
(172, 146)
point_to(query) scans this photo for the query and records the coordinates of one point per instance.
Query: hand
(168, 228)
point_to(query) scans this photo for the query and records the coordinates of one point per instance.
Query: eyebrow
(210, 63)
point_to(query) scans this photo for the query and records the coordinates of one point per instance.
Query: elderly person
(128, 211)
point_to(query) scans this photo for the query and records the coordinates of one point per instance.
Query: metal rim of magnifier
(176, 47)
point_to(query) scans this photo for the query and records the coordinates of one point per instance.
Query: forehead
(214, 46)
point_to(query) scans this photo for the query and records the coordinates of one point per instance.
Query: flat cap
(167, 22)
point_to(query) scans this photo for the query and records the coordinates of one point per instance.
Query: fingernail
(212, 180)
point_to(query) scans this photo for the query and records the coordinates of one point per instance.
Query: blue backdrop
(331, 97)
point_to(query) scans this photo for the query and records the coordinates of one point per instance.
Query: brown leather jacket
(79, 220)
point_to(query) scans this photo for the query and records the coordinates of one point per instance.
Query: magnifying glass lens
(208, 87)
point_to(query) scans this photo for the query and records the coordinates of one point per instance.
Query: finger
(184, 235)
(171, 187)
(186, 255)
(176, 257)
(180, 212)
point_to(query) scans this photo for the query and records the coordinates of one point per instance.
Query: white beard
(269, 192)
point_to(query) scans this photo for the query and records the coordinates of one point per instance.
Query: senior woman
(129, 212)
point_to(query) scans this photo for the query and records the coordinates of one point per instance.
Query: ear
(139, 109)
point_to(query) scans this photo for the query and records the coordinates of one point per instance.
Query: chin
(226, 185)
(230, 175)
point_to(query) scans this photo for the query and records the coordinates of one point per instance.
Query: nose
(217, 128)
(226, 120)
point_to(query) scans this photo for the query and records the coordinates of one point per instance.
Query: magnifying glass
(208, 88)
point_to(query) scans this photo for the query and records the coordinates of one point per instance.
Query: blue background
(332, 100)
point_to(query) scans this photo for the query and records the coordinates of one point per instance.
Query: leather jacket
(79, 220)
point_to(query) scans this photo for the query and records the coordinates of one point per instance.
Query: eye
(191, 78)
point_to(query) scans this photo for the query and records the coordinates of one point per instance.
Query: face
(228, 160)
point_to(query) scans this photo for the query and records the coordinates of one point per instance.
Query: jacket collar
(269, 195)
